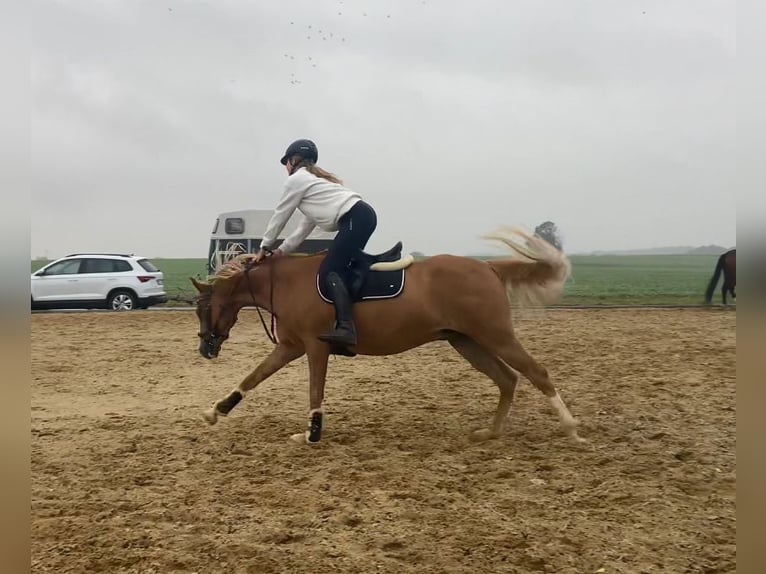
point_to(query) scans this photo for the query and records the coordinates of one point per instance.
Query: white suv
(98, 280)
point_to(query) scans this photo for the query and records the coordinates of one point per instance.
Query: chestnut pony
(465, 301)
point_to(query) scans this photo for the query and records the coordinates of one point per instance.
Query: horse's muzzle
(209, 348)
(206, 350)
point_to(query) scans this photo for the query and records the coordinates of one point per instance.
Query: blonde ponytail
(298, 162)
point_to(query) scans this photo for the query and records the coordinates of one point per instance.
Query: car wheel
(121, 301)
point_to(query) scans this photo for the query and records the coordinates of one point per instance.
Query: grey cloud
(449, 117)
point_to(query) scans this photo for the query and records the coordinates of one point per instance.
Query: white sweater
(321, 202)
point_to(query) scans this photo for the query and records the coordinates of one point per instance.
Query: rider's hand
(262, 253)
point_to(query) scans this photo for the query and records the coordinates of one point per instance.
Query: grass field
(596, 280)
(639, 279)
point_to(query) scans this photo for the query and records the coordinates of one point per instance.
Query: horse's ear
(201, 287)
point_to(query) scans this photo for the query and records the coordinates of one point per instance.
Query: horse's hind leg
(279, 357)
(503, 376)
(511, 351)
(728, 288)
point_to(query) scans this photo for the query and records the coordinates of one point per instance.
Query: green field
(639, 279)
(596, 280)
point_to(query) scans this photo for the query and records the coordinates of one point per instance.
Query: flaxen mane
(232, 267)
(242, 262)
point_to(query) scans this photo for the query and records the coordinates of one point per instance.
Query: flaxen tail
(536, 277)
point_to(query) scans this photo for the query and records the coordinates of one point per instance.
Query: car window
(68, 267)
(105, 266)
(98, 266)
(147, 265)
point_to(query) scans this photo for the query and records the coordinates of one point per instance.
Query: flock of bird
(303, 62)
(314, 33)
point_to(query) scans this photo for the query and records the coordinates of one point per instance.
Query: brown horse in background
(464, 301)
(727, 263)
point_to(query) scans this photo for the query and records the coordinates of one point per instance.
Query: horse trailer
(238, 232)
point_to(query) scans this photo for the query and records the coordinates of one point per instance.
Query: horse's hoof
(210, 416)
(303, 438)
(576, 437)
(299, 438)
(481, 435)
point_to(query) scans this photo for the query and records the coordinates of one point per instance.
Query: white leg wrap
(567, 420)
(565, 416)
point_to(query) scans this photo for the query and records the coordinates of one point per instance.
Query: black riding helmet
(304, 148)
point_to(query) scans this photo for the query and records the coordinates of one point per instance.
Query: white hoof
(571, 431)
(303, 438)
(577, 438)
(300, 438)
(210, 416)
(481, 435)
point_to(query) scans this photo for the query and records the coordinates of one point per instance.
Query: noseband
(213, 339)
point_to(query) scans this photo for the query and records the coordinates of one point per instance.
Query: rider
(325, 203)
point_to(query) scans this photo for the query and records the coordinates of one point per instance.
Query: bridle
(213, 338)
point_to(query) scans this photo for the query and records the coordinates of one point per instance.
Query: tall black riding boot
(344, 333)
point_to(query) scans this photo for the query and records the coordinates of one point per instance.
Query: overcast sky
(614, 119)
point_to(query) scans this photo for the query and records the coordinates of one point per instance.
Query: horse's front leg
(279, 357)
(318, 356)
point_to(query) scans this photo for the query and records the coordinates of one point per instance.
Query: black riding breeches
(354, 230)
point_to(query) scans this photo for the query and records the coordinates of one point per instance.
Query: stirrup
(338, 349)
(333, 336)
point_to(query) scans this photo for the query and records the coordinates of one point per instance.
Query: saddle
(363, 262)
(375, 276)
(393, 254)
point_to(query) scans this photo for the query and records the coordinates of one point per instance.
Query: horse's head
(233, 286)
(217, 311)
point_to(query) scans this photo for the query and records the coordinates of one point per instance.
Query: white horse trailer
(238, 232)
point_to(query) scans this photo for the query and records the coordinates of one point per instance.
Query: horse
(464, 301)
(727, 263)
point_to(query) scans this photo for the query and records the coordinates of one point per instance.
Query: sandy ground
(126, 477)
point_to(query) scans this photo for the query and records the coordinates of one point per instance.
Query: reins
(269, 333)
